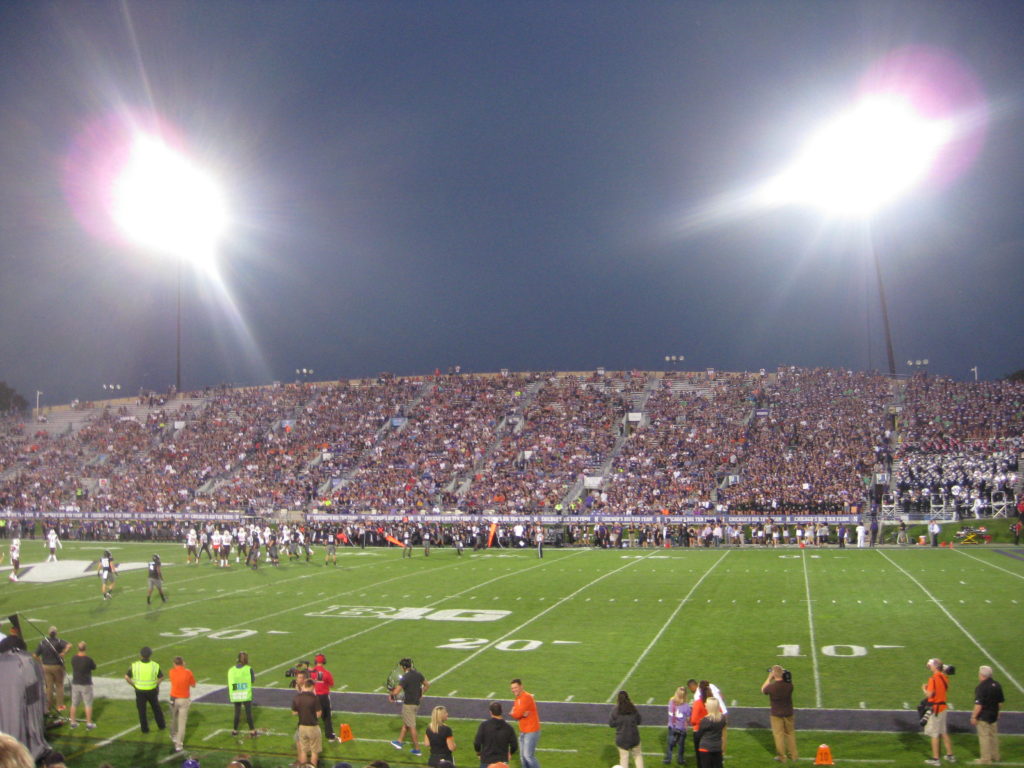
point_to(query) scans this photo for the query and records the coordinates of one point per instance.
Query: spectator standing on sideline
(82, 667)
(144, 676)
(712, 735)
(988, 696)
(414, 685)
(678, 719)
(779, 691)
(495, 741)
(50, 653)
(625, 719)
(306, 706)
(439, 739)
(936, 689)
(323, 681)
(524, 711)
(933, 531)
(182, 683)
(241, 679)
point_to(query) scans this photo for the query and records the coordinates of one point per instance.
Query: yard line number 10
(840, 651)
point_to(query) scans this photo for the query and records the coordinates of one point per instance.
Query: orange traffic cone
(824, 756)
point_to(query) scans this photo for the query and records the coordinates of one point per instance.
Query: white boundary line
(986, 562)
(668, 622)
(386, 622)
(961, 627)
(814, 642)
(542, 613)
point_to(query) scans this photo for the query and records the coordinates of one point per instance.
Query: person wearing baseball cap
(323, 681)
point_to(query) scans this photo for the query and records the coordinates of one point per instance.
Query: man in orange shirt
(182, 683)
(936, 688)
(524, 710)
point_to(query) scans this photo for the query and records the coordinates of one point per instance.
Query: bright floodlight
(865, 159)
(164, 202)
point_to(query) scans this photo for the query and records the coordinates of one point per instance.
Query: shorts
(409, 715)
(310, 739)
(936, 725)
(156, 584)
(81, 695)
(107, 575)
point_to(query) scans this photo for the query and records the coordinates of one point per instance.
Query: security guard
(241, 679)
(145, 676)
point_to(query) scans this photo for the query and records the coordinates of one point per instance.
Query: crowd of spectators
(960, 443)
(797, 440)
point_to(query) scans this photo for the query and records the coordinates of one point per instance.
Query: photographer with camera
(935, 718)
(778, 687)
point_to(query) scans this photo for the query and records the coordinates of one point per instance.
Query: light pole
(917, 364)
(163, 202)
(975, 369)
(304, 373)
(39, 394)
(861, 161)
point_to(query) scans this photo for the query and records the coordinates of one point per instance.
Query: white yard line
(986, 562)
(177, 641)
(668, 622)
(386, 622)
(539, 615)
(995, 662)
(814, 642)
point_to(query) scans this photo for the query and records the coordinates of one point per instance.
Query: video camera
(302, 666)
(787, 676)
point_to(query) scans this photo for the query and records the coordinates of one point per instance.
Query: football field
(855, 627)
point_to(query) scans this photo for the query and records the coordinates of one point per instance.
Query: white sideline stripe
(986, 562)
(116, 688)
(814, 642)
(961, 627)
(384, 623)
(622, 684)
(539, 615)
(179, 640)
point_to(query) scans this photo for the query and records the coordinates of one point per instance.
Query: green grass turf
(580, 624)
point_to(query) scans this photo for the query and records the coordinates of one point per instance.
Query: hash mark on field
(863, 705)
(489, 695)
(650, 700)
(519, 598)
(587, 600)
(452, 693)
(569, 697)
(343, 687)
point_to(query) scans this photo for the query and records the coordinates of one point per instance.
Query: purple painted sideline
(893, 720)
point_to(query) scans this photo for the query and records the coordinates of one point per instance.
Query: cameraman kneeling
(779, 690)
(936, 688)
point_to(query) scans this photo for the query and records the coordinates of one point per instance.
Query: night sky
(494, 184)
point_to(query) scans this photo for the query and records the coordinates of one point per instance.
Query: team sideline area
(855, 627)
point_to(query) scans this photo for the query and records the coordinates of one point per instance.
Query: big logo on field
(64, 570)
(388, 612)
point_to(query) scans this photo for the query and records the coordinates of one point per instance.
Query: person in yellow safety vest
(241, 680)
(144, 676)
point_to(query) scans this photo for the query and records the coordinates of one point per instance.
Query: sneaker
(933, 761)
(73, 725)
(234, 733)
(950, 758)
(396, 744)
(415, 752)
(90, 726)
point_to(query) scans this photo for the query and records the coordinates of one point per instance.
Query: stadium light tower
(164, 203)
(862, 161)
